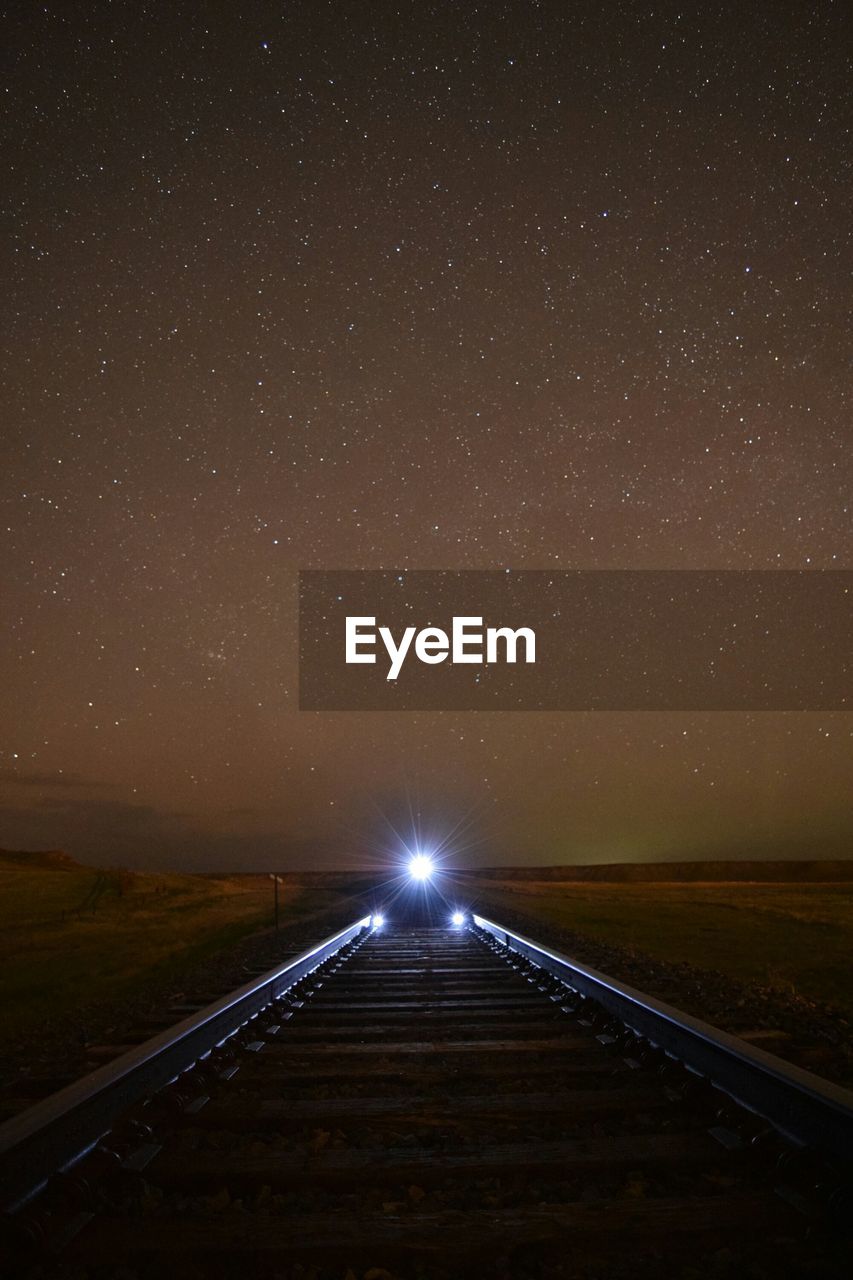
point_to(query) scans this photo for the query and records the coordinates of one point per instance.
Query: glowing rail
(811, 1111)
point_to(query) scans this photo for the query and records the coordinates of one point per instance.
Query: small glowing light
(458, 917)
(421, 867)
(378, 921)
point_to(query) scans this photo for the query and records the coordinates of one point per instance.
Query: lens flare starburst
(421, 867)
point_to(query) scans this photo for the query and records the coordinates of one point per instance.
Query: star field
(525, 285)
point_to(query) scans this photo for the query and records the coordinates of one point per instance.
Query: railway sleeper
(639, 1238)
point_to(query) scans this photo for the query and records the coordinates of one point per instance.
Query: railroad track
(432, 1103)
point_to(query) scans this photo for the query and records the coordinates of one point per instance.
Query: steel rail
(55, 1133)
(808, 1110)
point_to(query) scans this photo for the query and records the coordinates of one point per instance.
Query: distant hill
(802, 872)
(723, 870)
(56, 859)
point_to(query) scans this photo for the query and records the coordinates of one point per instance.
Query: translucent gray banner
(609, 640)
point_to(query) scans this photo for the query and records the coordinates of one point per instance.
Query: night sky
(311, 285)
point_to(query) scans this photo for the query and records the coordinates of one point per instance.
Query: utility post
(275, 879)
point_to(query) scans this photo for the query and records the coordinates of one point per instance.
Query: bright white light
(458, 918)
(421, 867)
(378, 921)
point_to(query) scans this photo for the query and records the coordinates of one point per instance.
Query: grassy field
(795, 937)
(68, 930)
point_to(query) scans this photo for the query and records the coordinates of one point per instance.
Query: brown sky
(528, 286)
